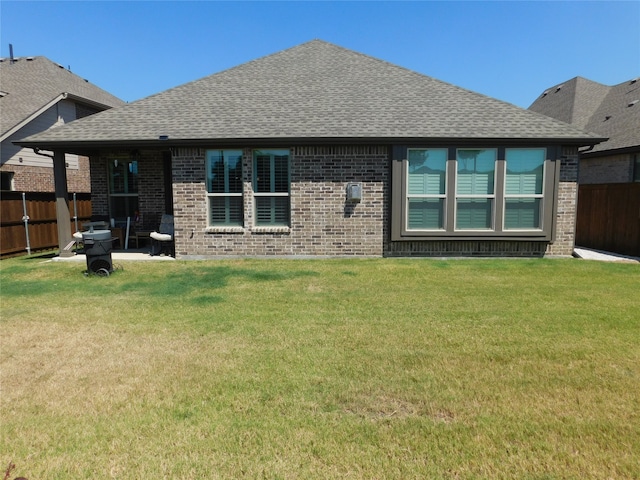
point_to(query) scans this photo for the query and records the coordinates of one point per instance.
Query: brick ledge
(224, 230)
(271, 229)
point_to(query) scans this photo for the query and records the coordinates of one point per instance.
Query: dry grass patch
(98, 368)
(321, 369)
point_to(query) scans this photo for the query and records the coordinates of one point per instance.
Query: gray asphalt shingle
(33, 82)
(314, 90)
(606, 110)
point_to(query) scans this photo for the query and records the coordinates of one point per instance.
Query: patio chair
(162, 240)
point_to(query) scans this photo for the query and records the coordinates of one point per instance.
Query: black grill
(97, 247)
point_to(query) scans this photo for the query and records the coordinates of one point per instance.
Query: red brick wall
(40, 179)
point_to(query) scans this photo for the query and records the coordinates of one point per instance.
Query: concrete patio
(119, 255)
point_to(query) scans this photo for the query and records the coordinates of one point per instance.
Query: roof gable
(32, 84)
(314, 91)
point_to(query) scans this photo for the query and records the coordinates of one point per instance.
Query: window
(523, 189)
(6, 181)
(473, 193)
(224, 187)
(123, 187)
(475, 189)
(636, 168)
(271, 187)
(426, 188)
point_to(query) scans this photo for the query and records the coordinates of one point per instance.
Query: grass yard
(316, 369)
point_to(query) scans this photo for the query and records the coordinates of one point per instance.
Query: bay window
(224, 187)
(473, 193)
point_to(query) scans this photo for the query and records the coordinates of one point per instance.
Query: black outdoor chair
(162, 240)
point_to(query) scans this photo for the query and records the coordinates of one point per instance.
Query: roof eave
(88, 101)
(613, 151)
(93, 145)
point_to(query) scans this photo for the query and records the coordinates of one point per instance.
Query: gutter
(82, 146)
(613, 151)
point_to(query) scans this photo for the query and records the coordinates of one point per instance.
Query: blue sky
(508, 50)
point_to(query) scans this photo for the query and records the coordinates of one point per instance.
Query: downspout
(36, 150)
(588, 149)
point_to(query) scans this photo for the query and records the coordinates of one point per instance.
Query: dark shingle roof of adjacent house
(312, 91)
(30, 85)
(611, 111)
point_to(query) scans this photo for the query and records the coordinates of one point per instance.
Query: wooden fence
(42, 223)
(609, 218)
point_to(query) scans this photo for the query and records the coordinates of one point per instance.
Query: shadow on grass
(195, 284)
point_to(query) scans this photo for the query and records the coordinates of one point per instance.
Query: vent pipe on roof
(11, 59)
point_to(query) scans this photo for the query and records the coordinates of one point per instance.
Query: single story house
(37, 94)
(318, 150)
(611, 111)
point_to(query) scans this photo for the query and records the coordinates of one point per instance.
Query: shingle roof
(607, 110)
(29, 84)
(313, 91)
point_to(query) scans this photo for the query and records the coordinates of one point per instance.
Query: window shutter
(522, 213)
(426, 214)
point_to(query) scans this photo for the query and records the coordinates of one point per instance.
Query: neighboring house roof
(314, 91)
(611, 111)
(31, 85)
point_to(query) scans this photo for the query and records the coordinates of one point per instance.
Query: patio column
(63, 215)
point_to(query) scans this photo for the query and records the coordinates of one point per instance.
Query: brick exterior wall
(40, 179)
(323, 222)
(607, 169)
(567, 205)
(99, 186)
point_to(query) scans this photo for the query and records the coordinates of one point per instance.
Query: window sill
(271, 229)
(224, 230)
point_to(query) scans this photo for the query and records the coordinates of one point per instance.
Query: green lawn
(303, 369)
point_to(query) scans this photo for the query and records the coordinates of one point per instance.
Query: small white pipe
(25, 219)
(126, 239)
